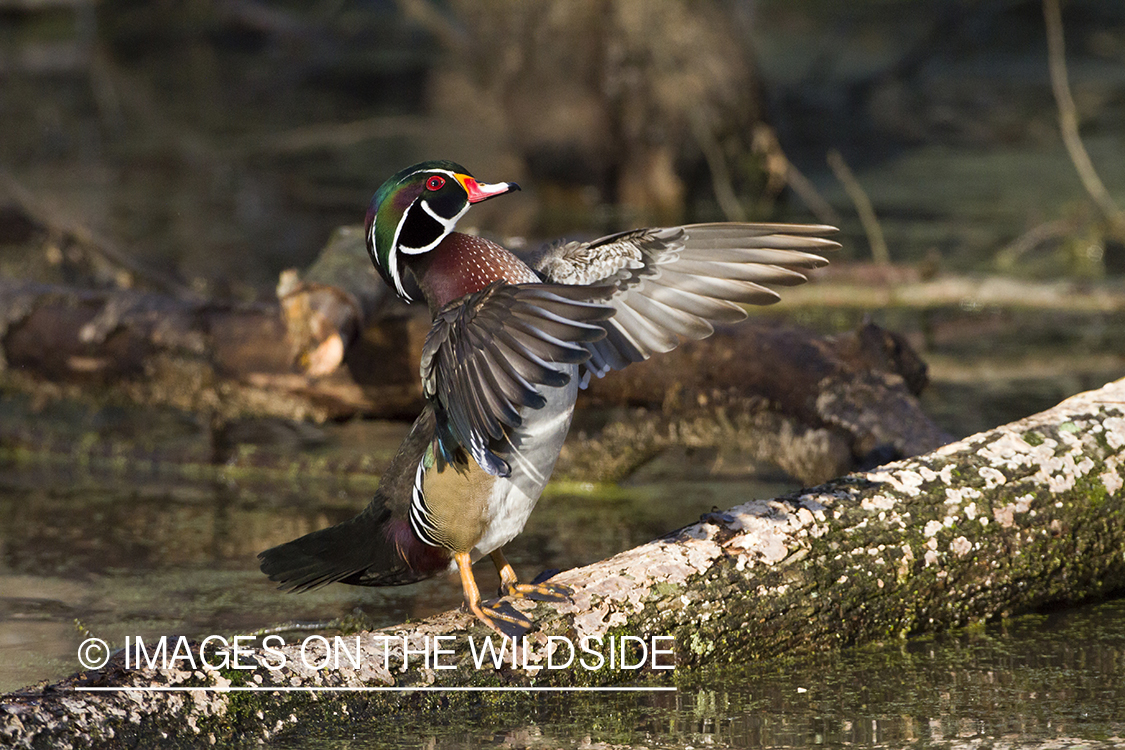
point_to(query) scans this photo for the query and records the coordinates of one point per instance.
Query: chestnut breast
(463, 264)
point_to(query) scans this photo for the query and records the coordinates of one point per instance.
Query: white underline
(383, 689)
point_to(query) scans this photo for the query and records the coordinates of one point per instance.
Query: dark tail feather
(355, 551)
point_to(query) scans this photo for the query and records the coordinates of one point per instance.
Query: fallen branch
(814, 406)
(1024, 516)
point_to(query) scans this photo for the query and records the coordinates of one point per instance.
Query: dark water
(1038, 681)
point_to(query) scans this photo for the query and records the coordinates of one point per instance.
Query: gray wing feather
(670, 284)
(728, 289)
(680, 322)
(489, 353)
(709, 308)
(760, 272)
(648, 336)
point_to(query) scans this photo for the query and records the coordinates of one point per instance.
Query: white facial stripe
(392, 256)
(392, 261)
(440, 171)
(439, 219)
(446, 224)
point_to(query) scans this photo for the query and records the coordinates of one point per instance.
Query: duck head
(416, 209)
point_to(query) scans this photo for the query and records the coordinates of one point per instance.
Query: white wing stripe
(420, 520)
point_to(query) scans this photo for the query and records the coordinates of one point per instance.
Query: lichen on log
(1027, 515)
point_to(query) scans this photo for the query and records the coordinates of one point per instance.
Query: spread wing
(488, 354)
(671, 284)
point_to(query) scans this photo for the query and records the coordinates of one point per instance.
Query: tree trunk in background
(652, 109)
(1020, 517)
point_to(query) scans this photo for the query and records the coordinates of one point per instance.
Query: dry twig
(1007, 258)
(1068, 119)
(862, 206)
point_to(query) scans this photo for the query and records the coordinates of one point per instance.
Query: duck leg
(539, 592)
(500, 616)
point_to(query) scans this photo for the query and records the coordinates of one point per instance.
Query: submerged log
(814, 406)
(1027, 515)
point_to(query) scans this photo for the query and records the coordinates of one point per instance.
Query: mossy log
(1017, 518)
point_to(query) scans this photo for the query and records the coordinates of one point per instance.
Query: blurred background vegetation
(220, 141)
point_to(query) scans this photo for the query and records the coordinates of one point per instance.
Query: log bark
(229, 361)
(814, 406)
(1027, 515)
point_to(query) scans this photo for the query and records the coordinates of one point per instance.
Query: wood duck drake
(512, 340)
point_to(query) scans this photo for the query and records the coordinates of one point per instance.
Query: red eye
(436, 182)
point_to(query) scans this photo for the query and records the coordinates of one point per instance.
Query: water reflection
(1035, 681)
